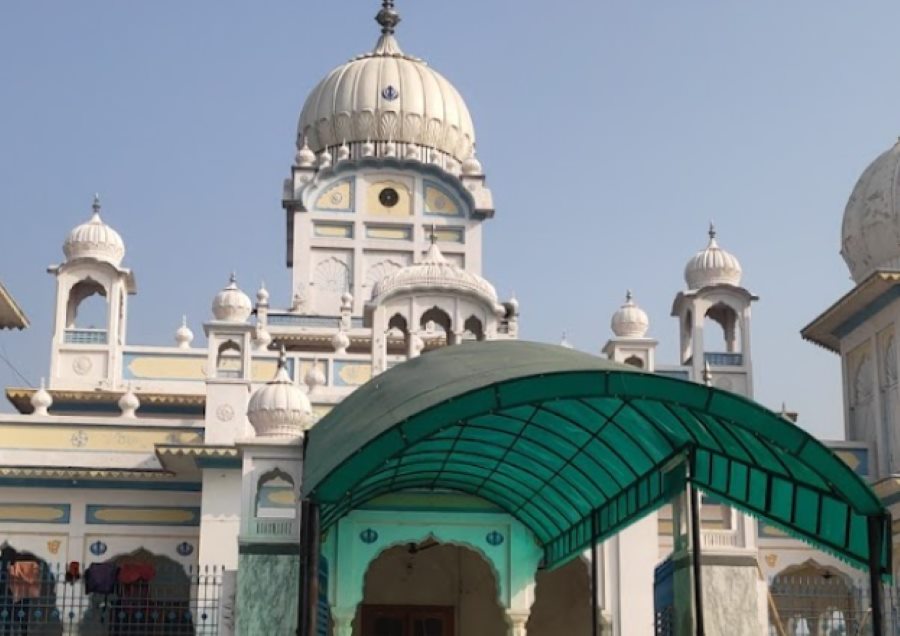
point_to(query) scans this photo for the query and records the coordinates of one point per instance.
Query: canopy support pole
(696, 560)
(595, 604)
(313, 568)
(303, 597)
(876, 542)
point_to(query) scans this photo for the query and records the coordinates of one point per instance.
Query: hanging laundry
(136, 571)
(25, 580)
(100, 578)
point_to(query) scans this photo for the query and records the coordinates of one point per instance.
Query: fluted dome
(387, 96)
(280, 408)
(870, 233)
(712, 266)
(630, 321)
(96, 240)
(434, 272)
(231, 304)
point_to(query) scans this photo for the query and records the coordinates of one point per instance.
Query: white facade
(385, 204)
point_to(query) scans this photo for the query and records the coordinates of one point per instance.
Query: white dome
(129, 403)
(231, 304)
(434, 272)
(183, 335)
(280, 408)
(387, 96)
(870, 233)
(630, 321)
(95, 239)
(712, 266)
(41, 401)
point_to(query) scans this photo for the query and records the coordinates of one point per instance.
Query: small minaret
(92, 289)
(715, 295)
(630, 344)
(229, 337)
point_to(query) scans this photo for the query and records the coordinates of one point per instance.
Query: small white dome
(280, 408)
(183, 335)
(314, 376)
(262, 295)
(472, 167)
(630, 321)
(231, 304)
(712, 266)
(305, 158)
(41, 400)
(434, 272)
(340, 341)
(870, 233)
(343, 152)
(129, 403)
(96, 240)
(387, 96)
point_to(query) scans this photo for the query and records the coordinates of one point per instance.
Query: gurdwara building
(447, 478)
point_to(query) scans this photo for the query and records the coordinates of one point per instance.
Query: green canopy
(577, 447)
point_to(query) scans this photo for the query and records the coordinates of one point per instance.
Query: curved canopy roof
(576, 446)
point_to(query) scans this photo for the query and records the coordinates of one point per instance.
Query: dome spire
(95, 206)
(388, 17)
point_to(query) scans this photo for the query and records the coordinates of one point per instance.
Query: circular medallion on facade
(184, 549)
(368, 536)
(390, 93)
(98, 548)
(388, 197)
(225, 413)
(337, 198)
(725, 383)
(79, 439)
(494, 538)
(440, 202)
(82, 365)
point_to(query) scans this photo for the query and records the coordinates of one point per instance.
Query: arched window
(727, 319)
(474, 330)
(437, 321)
(635, 362)
(87, 307)
(276, 497)
(229, 361)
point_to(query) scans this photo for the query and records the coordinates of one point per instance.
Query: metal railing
(85, 336)
(832, 606)
(176, 602)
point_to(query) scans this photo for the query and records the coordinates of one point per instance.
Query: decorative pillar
(342, 617)
(517, 622)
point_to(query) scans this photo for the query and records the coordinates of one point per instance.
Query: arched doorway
(430, 589)
(562, 601)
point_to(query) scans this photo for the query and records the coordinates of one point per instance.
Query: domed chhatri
(280, 409)
(630, 321)
(95, 240)
(434, 272)
(712, 266)
(870, 233)
(231, 304)
(389, 97)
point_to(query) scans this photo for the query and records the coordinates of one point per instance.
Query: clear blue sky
(610, 132)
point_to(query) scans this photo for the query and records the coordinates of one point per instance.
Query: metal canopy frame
(577, 447)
